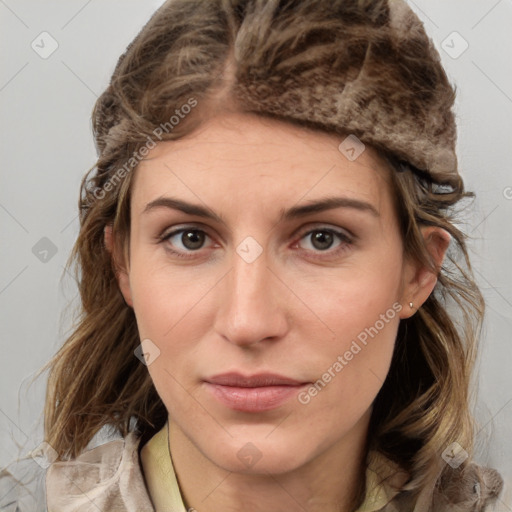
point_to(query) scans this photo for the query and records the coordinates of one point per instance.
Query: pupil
(324, 238)
(192, 239)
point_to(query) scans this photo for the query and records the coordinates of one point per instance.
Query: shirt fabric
(113, 477)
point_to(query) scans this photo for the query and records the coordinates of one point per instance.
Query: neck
(332, 481)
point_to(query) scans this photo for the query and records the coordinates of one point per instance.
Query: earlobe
(121, 272)
(420, 280)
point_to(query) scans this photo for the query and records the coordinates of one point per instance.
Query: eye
(188, 239)
(322, 239)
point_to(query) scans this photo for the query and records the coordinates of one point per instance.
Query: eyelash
(346, 240)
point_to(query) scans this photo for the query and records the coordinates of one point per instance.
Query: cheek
(361, 311)
(358, 361)
(166, 299)
(354, 299)
(172, 309)
(349, 377)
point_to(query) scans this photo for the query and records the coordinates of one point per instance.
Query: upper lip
(252, 381)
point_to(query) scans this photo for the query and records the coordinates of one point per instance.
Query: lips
(255, 393)
(254, 381)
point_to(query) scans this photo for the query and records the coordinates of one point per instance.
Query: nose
(252, 303)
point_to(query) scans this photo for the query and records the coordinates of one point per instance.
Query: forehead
(260, 161)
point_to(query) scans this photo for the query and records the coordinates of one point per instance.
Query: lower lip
(253, 399)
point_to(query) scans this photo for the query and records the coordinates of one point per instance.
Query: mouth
(256, 393)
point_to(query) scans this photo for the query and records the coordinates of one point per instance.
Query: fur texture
(380, 68)
(469, 488)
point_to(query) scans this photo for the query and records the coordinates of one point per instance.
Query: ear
(122, 276)
(419, 281)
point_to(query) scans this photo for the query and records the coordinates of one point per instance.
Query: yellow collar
(383, 477)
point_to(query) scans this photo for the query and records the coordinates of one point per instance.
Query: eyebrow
(328, 203)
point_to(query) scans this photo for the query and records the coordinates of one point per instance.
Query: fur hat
(381, 78)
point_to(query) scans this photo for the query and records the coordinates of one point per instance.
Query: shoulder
(107, 477)
(469, 488)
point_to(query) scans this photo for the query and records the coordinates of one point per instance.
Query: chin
(258, 456)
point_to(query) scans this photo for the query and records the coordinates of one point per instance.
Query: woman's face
(234, 273)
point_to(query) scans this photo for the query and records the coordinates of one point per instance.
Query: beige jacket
(110, 478)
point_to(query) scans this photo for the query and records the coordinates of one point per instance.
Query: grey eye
(322, 240)
(192, 239)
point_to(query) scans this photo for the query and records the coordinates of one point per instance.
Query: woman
(278, 309)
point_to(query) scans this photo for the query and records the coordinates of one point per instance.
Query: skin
(291, 311)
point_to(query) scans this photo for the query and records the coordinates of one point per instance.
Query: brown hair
(196, 53)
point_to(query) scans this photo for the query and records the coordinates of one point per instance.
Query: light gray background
(47, 145)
